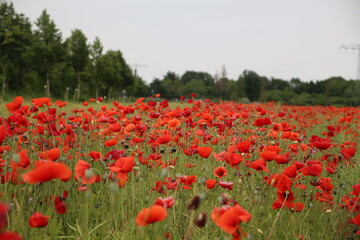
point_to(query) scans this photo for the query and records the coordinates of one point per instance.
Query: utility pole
(355, 48)
(136, 66)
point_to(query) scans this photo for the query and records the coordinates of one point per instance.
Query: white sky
(275, 38)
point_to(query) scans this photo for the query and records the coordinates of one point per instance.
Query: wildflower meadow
(194, 169)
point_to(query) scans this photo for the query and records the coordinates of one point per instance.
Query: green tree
(194, 86)
(223, 88)
(79, 55)
(278, 84)
(139, 88)
(48, 49)
(115, 74)
(15, 39)
(96, 50)
(253, 84)
(171, 84)
(157, 87)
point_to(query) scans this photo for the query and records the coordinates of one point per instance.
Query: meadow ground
(191, 170)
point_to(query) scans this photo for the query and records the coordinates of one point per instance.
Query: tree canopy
(37, 60)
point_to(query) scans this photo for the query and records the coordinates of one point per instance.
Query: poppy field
(194, 169)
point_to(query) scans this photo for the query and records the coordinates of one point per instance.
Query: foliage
(159, 170)
(40, 61)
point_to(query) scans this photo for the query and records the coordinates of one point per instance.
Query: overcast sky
(275, 38)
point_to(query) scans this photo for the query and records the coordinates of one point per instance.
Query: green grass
(105, 211)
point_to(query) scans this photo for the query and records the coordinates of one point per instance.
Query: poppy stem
(276, 219)
(189, 229)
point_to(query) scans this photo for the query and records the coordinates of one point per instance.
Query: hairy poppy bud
(194, 203)
(201, 219)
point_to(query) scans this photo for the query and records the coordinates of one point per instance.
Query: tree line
(36, 60)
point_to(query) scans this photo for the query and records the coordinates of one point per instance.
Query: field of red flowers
(188, 170)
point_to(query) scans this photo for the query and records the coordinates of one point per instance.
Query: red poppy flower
(60, 104)
(204, 152)
(137, 140)
(220, 172)
(281, 159)
(262, 121)
(37, 220)
(115, 127)
(243, 146)
(2, 134)
(188, 180)
(259, 165)
(311, 170)
(23, 160)
(210, 183)
(46, 171)
(60, 206)
(228, 218)
(291, 171)
(356, 220)
(122, 178)
(150, 215)
(226, 185)
(324, 184)
(15, 105)
(268, 155)
(165, 202)
(283, 183)
(323, 145)
(4, 208)
(124, 165)
(52, 154)
(9, 236)
(80, 172)
(95, 155)
(296, 206)
(111, 142)
(348, 152)
(40, 102)
(173, 124)
(163, 139)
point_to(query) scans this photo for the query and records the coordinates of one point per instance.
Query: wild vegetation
(36, 60)
(191, 170)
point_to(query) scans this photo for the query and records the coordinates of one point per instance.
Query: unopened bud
(194, 203)
(89, 173)
(16, 158)
(164, 172)
(114, 187)
(272, 182)
(201, 219)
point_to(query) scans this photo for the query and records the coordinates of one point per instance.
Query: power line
(354, 48)
(136, 66)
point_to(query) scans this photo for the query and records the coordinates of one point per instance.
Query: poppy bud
(194, 203)
(260, 231)
(89, 173)
(201, 219)
(114, 187)
(164, 172)
(16, 158)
